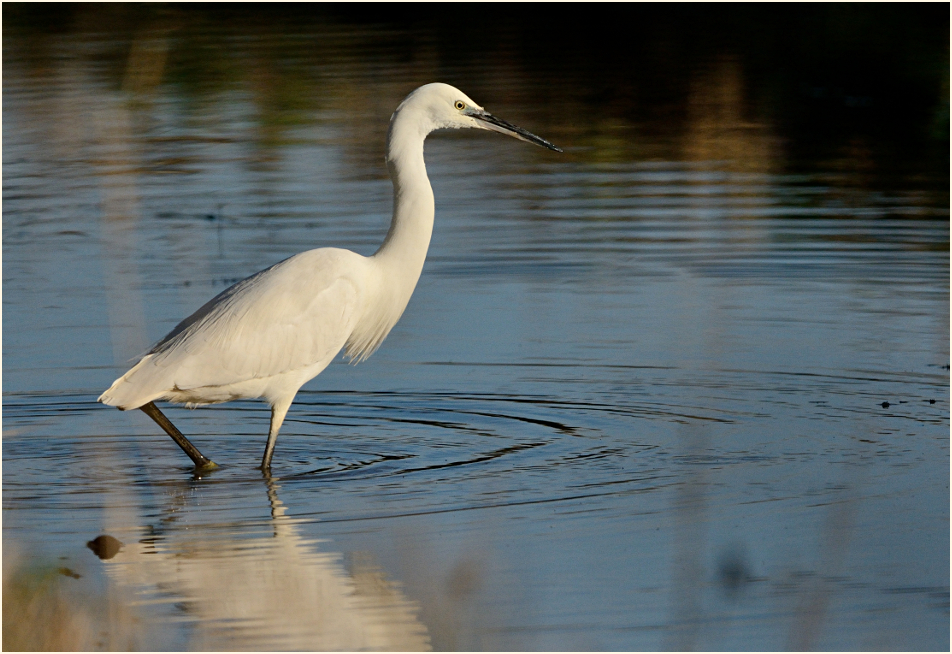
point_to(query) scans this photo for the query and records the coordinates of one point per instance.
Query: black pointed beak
(498, 125)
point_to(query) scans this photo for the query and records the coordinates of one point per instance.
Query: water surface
(680, 387)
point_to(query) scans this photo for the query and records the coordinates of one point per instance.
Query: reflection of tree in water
(266, 591)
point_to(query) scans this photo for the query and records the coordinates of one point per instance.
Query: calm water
(679, 387)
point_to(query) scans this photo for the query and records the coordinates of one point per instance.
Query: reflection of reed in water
(46, 609)
(717, 127)
(268, 591)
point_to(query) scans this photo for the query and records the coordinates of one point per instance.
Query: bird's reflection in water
(268, 591)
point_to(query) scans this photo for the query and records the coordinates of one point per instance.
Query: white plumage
(269, 334)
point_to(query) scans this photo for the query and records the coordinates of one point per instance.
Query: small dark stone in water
(105, 546)
(66, 572)
(885, 405)
(931, 401)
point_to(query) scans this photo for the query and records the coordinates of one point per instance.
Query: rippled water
(656, 392)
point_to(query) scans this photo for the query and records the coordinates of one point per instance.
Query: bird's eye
(460, 105)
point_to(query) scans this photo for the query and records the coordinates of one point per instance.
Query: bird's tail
(129, 391)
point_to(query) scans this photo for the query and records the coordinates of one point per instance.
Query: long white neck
(404, 249)
(398, 263)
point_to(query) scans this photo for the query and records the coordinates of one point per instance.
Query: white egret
(269, 334)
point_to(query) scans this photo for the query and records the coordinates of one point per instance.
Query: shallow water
(657, 392)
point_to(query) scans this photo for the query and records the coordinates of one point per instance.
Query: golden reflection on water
(267, 591)
(717, 128)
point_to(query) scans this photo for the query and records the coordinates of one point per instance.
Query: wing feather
(289, 317)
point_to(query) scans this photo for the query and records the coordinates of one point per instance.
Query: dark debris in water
(105, 546)
(66, 572)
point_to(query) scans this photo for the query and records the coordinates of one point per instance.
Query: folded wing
(289, 318)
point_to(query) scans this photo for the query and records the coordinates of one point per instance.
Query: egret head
(439, 106)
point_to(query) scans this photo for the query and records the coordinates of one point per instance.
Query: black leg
(197, 457)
